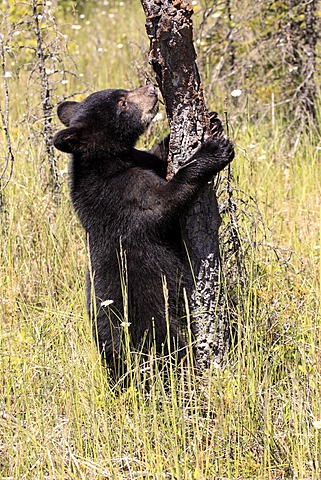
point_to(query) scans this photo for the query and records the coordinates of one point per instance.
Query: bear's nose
(151, 89)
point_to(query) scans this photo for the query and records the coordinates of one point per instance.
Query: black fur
(124, 203)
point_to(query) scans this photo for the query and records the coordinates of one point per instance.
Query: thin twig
(9, 158)
(232, 206)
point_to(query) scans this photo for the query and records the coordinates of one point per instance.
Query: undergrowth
(60, 415)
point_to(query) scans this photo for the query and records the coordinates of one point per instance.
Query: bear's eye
(123, 104)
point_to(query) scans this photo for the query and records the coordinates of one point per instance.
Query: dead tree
(47, 107)
(172, 55)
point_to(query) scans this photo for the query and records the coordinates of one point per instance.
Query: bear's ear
(68, 140)
(65, 111)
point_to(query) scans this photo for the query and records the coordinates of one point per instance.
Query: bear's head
(109, 121)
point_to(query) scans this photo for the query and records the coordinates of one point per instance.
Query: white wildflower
(236, 93)
(106, 303)
(125, 324)
(317, 424)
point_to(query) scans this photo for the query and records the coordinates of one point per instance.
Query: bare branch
(7, 168)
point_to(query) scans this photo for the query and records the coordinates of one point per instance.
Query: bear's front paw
(216, 153)
(226, 149)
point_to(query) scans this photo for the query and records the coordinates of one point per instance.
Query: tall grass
(60, 416)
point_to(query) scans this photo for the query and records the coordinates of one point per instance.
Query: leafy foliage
(268, 48)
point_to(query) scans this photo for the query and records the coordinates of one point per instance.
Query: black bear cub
(131, 215)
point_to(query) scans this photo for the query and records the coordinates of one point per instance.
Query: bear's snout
(146, 99)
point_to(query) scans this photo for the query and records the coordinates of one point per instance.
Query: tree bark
(47, 107)
(172, 55)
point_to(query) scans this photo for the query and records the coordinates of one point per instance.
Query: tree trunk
(172, 55)
(47, 107)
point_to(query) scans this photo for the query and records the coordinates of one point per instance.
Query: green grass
(60, 417)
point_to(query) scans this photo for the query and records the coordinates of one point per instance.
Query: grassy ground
(60, 418)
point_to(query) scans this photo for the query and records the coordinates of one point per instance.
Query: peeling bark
(172, 55)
